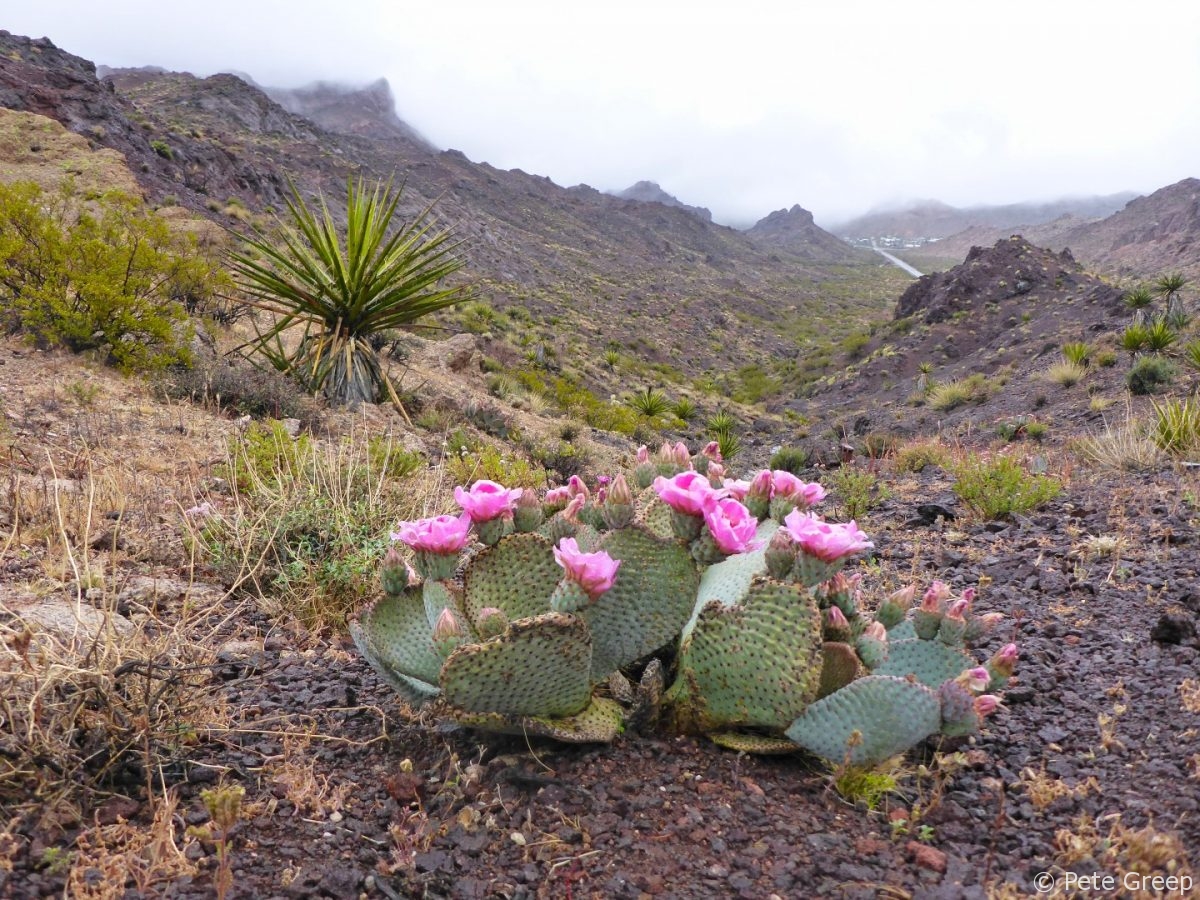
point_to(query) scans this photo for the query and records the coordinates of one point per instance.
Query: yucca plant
(1160, 336)
(1177, 425)
(1077, 352)
(1169, 287)
(650, 402)
(1191, 354)
(684, 409)
(1135, 338)
(1138, 300)
(721, 421)
(339, 291)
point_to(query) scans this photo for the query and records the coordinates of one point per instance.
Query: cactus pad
(647, 604)
(413, 691)
(758, 744)
(538, 667)
(839, 667)
(728, 581)
(757, 663)
(866, 722)
(655, 515)
(932, 662)
(516, 577)
(395, 636)
(598, 723)
(439, 595)
(903, 632)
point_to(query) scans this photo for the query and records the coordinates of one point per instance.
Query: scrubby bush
(916, 456)
(100, 276)
(1148, 374)
(996, 488)
(239, 387)
(790, 459)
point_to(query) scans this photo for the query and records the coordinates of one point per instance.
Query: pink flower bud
(643, 455)
(487, 500)
(571, 513)
(712, 450)
(877, 631)
(594, 572)
(986, 704)
(601, 496)
(836, 618)
(968, 595)
(716, 472)
(447, 626)
(620, 493)
(938, 591)
(736, 489)
(957, 609)
(760, 486)
(977, 679)
(904, 597)
(801, 493)
(577, 488)
(681, 455)
(557, 495)
(442, 535)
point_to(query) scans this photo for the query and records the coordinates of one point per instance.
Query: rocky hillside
(369, 111)
(999, 318)
(932, 219)
(650, 192)
(643, 276)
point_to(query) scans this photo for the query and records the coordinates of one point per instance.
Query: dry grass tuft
(1189, 695)
(1124, 448)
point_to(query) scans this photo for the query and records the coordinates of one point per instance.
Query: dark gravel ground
(1090, 767)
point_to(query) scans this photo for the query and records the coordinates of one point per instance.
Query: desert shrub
(790, 459)
(612, 358)
(1066, 373)
(996, 488)
(1077, 352)
(310, 521)
(563, 459)
(1106, 359)
(948, 395)
(1013, 429)
(162, 148)
(1148, 374)
(916, 456)
(879, 444)
(722, 420)
(101, 276)
(1036, 431)
(1124, 448)
(471, 463)
(1177, 425)
(859, 490)
(489, 419)
(242, 388)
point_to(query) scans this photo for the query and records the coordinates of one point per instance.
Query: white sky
(839, 105)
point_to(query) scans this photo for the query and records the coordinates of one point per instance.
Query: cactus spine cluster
(526, 615)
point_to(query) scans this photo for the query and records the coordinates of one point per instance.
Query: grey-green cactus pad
(655, 515)
(647, 604)
(599, 723)
(756, 664)
(395, 635)
(440, 595)
(932, 662)
(538, 667)
(866, 722)
(728, 581)
(516, 577)
(902, 631)
(413, 691)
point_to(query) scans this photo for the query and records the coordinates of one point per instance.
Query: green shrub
(859, 490)
(916, 456)
(1036, 431)
(1135, 338)
(720, 421)
(1148, 374)
(107, 277)
(684, 409)
(790, 459)
(163, 149)
(996, 488)
(493, 464)
(948, 395)
(1106, 359)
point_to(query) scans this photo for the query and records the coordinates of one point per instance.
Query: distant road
(896, 261)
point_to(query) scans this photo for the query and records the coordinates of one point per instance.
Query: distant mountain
(932, 219)
(650, 192)
(368, 111)
(795, 231)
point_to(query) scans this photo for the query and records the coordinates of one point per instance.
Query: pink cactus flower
(594, 572)
(557, 495)
(716, 472)
(803, 494)
(487, 500)
(968, 594)
(1007, 654)
(571, 513)
(685, 492)
(712, 450)
(730, 524)
(938, 591)
(443, 535)
(735, 488)
(827, 541)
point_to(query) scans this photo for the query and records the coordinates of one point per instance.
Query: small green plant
(999, 487)
(1106, 359)
(82, 393)
(859, 490)
(685, 409)
(1036, 431)
(729, 444)
(948, 395)
(163, 149)
(721, 420)
(916, 456)
(1191, 354)
(612, 359)
(790, 459)
(1177, 425)
(1135, 338)
(1149, 374)
(650, 402)
(1077, 352)
(1138, 300)
(493, 464)
(869, 787)
(224, 806)
(1013, 429)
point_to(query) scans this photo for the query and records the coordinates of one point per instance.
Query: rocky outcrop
(367, 111)
(794, 230)
(650, 192)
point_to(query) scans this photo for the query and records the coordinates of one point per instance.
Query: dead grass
(1189, 695)
(1129, 853)
(1042, 789)
(1121, 448)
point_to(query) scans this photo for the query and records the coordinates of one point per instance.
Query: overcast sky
(839, 106)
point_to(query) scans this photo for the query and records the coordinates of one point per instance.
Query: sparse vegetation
(1149, 374)
(790, 459)
(1066, 373)
(915, 456)
(1077, 352)
(1177, 425)
(998, 487)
